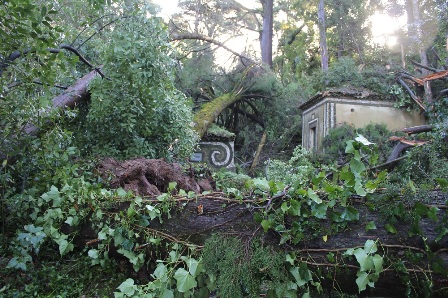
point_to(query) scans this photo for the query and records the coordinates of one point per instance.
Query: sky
(170, 6)
(382, 29)
(383, 25)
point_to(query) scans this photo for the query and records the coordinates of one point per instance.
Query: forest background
(143, 86)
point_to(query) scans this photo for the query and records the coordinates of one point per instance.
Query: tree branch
(17, 54)
(425, 67)
(412, 94)
(185, 36)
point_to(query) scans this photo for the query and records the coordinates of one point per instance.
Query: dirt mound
(149, 177)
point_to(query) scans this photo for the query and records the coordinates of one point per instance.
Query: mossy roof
(216, 132)
(343, 92)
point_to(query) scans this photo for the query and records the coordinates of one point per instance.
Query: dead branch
(417, 129)
(412, 94)
(425, 66)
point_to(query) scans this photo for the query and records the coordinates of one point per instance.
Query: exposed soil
(149, 177)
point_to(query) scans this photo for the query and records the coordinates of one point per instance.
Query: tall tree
(416, 22)
(267, 32)
(323, 35)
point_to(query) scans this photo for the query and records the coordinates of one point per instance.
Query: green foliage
(348, 73)
(370, 264)
(424, 165)
(178, 275)
(334, 143)
(54, 277)
(225, 180)
(138, 112)
(299, 169)
(239, 270)
(323, 198)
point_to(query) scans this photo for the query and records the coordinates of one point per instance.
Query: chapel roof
(341, 92)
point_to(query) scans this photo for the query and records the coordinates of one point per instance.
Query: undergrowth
(68, 277)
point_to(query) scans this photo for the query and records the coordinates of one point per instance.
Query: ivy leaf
(121, 192)
(313, 196)
(420, 208)
(349, 252)
(390, 228)
(290, 259)
(319, 210)
(257, 217)
(442, 182)
(362, 280)
(64, 246)
(370, 247)
(194, 266)
(284, 207)
(301, 274)
(167, 293)
(364, 260)
(349, 147)
(370, 226)
(172, 186)
(359, 189)
(357, 166)
(261, 184)
(350, 213)
(160, 272)
(93, 253)
(378, 263)
(432, 213)
(184, 280)
(295, 209)
(127, 287)
(266, 224)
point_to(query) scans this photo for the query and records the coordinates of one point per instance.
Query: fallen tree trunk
(208, 113)
(71, 97)
(413, 247)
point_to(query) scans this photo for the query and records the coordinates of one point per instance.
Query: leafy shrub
(299, 168)
(334, 143)
(226, 179)
(423, 165)
(138, 112)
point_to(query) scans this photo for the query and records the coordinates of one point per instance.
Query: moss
(205, 117)
(217, 131)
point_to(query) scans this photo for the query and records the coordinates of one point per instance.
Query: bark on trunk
(200, 217)
(208, 113)
(323, 35)
(417, 247)
(267, 33)
(71, 97)
(421, 46)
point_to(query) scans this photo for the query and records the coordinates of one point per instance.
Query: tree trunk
(267, 33)
(71, 97)
(258, 152)
(208, 113)
(323, 35)
(417, 23)
(197, 218)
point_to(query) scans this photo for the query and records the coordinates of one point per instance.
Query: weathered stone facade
(216, 149)
(327, 110)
